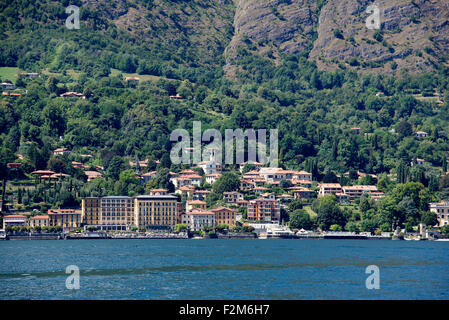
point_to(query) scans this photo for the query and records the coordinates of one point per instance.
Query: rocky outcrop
(284, 25)
(414, 35)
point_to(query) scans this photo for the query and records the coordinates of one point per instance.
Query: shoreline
(185, 237)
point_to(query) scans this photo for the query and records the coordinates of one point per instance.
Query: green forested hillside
(178, 47)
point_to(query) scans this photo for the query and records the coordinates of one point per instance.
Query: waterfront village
(259, 202)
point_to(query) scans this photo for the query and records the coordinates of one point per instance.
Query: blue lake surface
(224, 269)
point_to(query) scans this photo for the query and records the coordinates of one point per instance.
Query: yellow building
(155, 211)
(39, 221)
(117, 213)
(68, 219)
(224, 215)
(90, 210)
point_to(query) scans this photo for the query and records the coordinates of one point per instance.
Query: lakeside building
(252, 175)
(329, 188)
(195, 204)
(246, 185)
(211, 166)
(7, 86)
(441, 209)
(232, 196)
(142, 164)
(200, 194)
(359, 190)
(302, 193)
(186, 179)
(91, 175)
(61, 152)
(132, 80)
(117, 213)
(224, 215)
(68, 219)
(158, 192)
(421, 134)
(186, 191)
(259, 190)
(39, 221)
(30, 75)
(264, 210)
(285, 198)
(156, 211)
(71, 94)
(91, 210)
(14, 220)
(277, 175)
(198, 219)
(417, 161)
(148, 176)
(212, 177)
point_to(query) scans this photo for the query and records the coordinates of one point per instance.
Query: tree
(369, 225)
(335, 227)
(328, 211)
(352, 227)
(56, 165)
(366, 203)
(404, 128)
(300, 219)
(248, 167)
(445, 230)
(115, 166)
(429, 218)
(165, 161)
(330, 177)
(229, 181)
(180, 227)
(294, 205)
(163, 180)
(444, 165)
(285, 184)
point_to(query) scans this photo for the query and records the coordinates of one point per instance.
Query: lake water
(224, 269)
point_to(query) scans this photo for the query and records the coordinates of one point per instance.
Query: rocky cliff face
(414, 34)
(272, 26)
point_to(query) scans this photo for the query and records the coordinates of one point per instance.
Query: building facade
(39, 221)
(68, 219)
(14, 220)
(91, 210)
(264, 210)
(232, 196)
(329, 188)
(225, 215)
(117, 213)
(156, 211)
(441, 209)
(198, 219)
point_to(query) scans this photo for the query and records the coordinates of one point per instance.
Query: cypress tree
(444, 165)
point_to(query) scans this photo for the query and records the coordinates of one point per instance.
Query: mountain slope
(414, 35)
